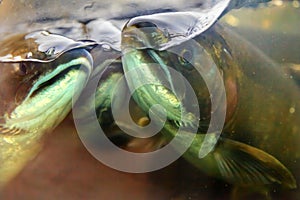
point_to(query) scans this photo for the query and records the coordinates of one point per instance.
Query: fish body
(265, 107)
(264, 111)
(261, 102)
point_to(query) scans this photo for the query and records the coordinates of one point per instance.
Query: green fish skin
(258, 145)
(42, 100)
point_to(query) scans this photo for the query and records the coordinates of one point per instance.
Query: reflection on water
(66, 170)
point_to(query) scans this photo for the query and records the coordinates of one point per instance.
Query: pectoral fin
(240, 164)
(243, 164)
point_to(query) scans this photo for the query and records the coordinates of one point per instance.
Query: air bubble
(29, 55)
(50, 51)
(106, 47)
(292, 110)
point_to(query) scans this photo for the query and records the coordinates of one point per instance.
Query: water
(65, 169)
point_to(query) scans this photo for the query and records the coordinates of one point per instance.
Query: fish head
(190, 59)
(36, 96)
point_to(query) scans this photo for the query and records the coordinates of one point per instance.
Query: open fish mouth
(50, 98)
(43, 107)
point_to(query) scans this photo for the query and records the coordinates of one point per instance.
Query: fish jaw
(46, 109)
(40, 112)
(149, 89)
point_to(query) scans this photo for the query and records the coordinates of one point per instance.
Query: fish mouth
(50, 98)
(158, 86)
(47, 81)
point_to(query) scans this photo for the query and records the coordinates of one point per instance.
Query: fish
(35, 98)
(264, 98)
(258, 143)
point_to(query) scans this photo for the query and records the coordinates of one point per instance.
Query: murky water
(266, 99)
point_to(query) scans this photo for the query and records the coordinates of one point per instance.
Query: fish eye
(185, 58)
(22, 69)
